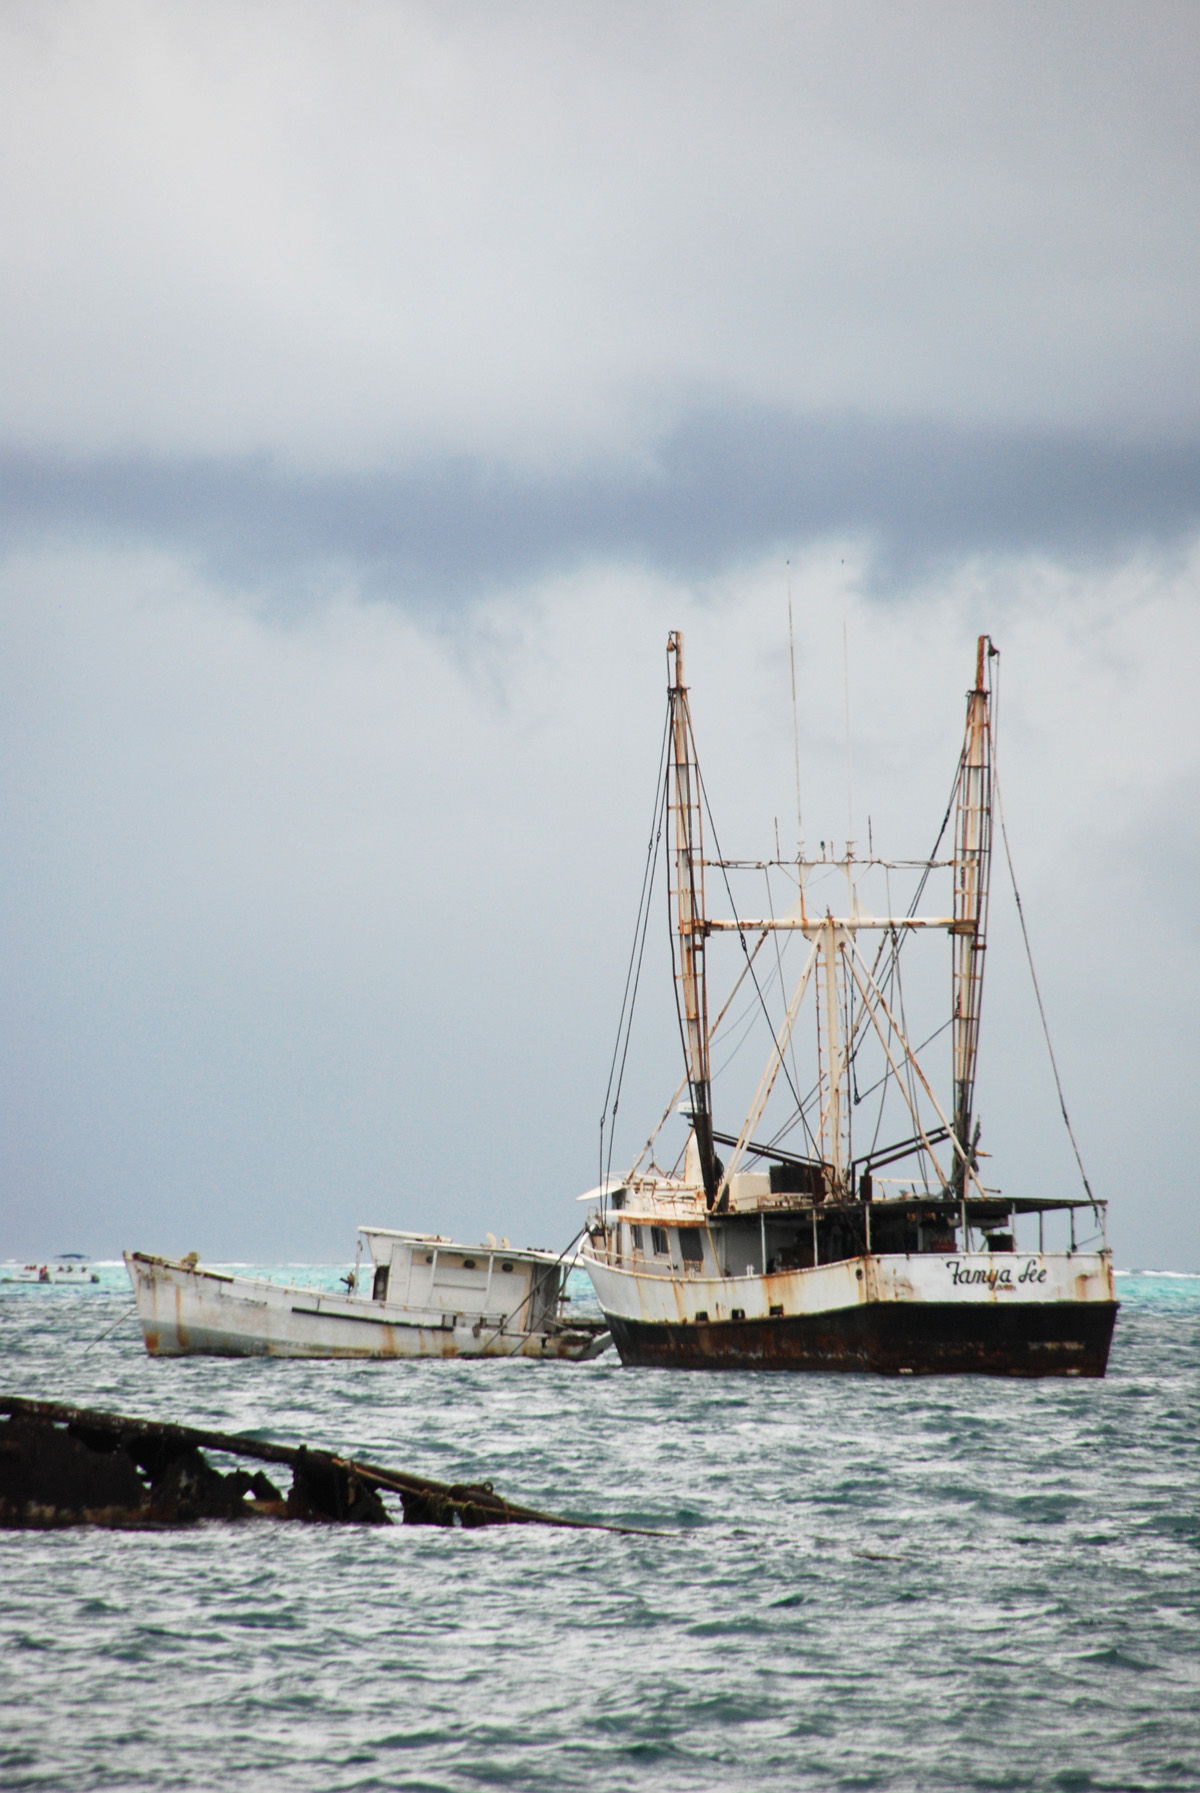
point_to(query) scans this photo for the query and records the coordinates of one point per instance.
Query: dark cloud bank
(723, 485)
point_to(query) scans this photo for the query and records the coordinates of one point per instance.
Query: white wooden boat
(421, 1295)
(802, 1253)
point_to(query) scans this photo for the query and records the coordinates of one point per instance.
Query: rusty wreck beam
(476, 1505)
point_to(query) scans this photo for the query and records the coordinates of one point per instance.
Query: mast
(686, 876)
(831, 1136)
(972, 861)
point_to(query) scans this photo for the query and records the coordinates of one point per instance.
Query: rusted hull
(887, 1338)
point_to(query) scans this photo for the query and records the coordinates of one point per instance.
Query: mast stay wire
(889, 944)
(881, 1083)
(894, 953)
(1037, 990)
(892, 946)
(741, 1028)
(745, 949)
(634, 971)
(669, 1110)
(886, 1077)
(859, 1033)
(861, 1095)
(779, 964)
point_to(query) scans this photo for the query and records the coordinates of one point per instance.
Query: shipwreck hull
(1033, 1339)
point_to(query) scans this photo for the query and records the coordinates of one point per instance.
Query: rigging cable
(634, 971)
(1036, 986)
(511, 1314)
(862, 1095)
(779, 963)
(890, 977)
(746, 951)
(669, 1110)
(742, 932)
(890, 944)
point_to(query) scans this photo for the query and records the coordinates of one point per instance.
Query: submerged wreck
(64, 1466)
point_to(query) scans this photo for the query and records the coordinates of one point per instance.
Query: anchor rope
(117, 1322)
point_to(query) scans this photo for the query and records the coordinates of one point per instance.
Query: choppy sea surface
(863, 1583)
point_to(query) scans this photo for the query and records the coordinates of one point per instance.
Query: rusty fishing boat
(856, 1233)
(418, 1295)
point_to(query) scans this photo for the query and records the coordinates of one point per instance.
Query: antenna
(795, 717)
(846, 690)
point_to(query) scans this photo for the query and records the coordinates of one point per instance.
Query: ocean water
(936, 1584)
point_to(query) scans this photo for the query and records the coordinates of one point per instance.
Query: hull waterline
(931, 1340)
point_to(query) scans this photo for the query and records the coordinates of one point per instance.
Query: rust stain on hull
(889, 1339)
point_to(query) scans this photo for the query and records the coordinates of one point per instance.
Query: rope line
(1037, 991)
(742, 937)
(527, 1300)
(633, 974)
(119, 1321)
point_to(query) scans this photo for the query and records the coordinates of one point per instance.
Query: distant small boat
(428, 1297)
(69, 1267)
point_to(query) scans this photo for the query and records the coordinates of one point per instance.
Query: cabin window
(379, 1288)
(658, 1239)
(507, 1267)
(468, 1263)
(691, 1245)
(635, 1238)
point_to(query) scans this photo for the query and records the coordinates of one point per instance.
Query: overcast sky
(381, 383)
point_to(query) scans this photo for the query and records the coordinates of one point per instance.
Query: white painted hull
(80, 1276)
(1014, 1314)
(186, 1311)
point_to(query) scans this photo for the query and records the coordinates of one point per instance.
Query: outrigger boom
(814, 927)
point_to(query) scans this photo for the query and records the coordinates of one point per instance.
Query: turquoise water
(946, 1584)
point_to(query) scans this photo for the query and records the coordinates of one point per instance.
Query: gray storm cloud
(721, 486)
(347, 235)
